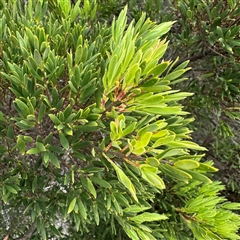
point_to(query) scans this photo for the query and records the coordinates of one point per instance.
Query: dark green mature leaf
(53, 159)
(91, 188)
(64, 140)
(22, 108)
(198, 176)
(10, 189)
(175, 173)
(101, 182)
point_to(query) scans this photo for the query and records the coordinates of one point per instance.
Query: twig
(29, 233)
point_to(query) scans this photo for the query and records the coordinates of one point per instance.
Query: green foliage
(94, 140)
(207, 33)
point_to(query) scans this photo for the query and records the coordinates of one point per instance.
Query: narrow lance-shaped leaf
(96, 214)
(176, 74)
(148, 217)
(91, 188)
(143, 142)
(64, 140)
(108, 84)
(231, 206)
(72, 205)
(21, 145)
(33, 151)
(82, 208)
(206, 168)
(129, 129)
(187, 144)
(123, 178)
(128, 80)
(136, 209)
(54, 159)
(22, 107)
(163, 141)
(55, 120)
(41, 112)
(186, 164)
(114, 131)
(198, 176)
(40, 147)
(175, 173)
(11, 189)
(101, 182)
(149, 173)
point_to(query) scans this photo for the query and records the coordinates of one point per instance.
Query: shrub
(207, 33)
(94, 141)
(212, 43)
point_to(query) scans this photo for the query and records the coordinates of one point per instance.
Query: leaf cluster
(207, 33)
(92, 133)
